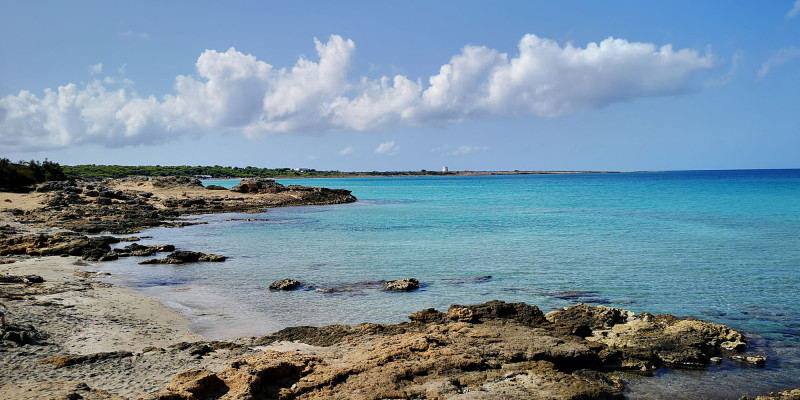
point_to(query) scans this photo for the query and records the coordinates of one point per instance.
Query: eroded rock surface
(486, 351)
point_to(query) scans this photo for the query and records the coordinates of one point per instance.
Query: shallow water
(719, 245)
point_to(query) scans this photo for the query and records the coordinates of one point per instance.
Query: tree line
(22, 175)
(90, 171)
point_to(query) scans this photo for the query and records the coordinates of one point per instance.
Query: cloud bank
(235, 91)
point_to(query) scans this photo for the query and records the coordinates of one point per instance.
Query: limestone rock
(758, 361)
(496, 309)
(789, 394)
(428, 315)
(197, 383)
(582, 319)
(258, 186)
(403, 285)
(647, 341)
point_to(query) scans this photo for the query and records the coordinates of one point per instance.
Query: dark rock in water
(185, 256)
(402, 285)
(285, 284)
(94, 254)
(138, 250)
(582, 296)
(758, 361)
(353, 288)
(472, 279)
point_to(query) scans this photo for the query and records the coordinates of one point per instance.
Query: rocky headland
(71, 336)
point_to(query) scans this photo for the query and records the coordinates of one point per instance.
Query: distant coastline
(92, 171)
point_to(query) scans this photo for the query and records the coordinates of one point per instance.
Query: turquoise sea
(718, 245)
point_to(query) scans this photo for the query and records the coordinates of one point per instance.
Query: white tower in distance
(444, 169)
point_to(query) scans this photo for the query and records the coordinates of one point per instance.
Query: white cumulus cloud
(780, 57)
(235, 91)
(389, 148)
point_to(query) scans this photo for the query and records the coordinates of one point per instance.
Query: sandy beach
(80, 316)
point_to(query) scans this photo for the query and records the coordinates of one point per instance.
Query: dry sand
(79, 316)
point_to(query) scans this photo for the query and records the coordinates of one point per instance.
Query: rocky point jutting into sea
(70, 335)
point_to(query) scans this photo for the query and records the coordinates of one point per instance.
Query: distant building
(302, 169)
(444, 169)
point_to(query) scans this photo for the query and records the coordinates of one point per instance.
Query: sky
(389, 86)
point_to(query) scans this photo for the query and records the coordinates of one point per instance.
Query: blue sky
(351, 85)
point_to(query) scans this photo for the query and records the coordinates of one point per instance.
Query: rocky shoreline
(71, 336)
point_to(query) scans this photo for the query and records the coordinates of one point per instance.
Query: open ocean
(723, 246)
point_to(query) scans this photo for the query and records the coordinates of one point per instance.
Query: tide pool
(718, 245)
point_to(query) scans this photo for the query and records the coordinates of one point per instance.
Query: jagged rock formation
(484, 351)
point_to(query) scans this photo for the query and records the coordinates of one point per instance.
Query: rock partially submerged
(185, 256)
(138, 250)
(284, 284)
(401, 285)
